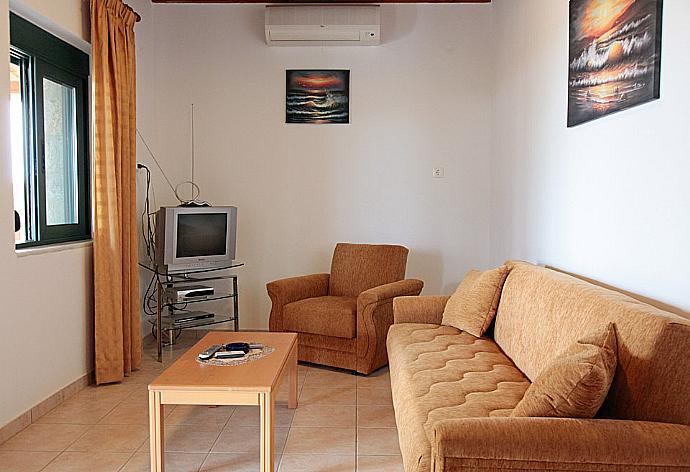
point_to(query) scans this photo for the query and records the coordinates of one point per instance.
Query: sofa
(453, 393)
(342, 318)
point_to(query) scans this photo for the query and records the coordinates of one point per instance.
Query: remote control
(210, 352)
(246, 347)
(229, 354)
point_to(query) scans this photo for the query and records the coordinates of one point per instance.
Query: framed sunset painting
(317, 96)
(615, 56)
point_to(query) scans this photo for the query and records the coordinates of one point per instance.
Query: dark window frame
(44, 56)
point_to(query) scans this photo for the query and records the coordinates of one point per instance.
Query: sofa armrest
(374, 317)
(419, 309)
(293, 289)
(559, 444)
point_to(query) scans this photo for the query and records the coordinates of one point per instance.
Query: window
(49, 135)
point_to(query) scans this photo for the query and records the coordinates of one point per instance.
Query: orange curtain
(116, 276)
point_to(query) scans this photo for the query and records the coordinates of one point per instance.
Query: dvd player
(191, 316)
(185, 293)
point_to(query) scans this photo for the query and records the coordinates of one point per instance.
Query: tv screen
(201, 234)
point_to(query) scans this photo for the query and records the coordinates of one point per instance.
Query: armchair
(342, 318)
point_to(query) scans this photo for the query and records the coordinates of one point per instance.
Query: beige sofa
(453, 393)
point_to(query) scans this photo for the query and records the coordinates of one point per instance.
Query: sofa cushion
(327, 316)
(575, 384)
(543, 311)
(440, 372)
(473, 306)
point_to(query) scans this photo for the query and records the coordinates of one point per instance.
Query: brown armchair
(342, 318)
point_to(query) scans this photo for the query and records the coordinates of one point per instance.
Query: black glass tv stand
(171, 316)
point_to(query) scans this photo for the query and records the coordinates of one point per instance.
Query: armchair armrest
(559, 444)
(387, 292)
(374, 317)
(419, 309)
(293, 289)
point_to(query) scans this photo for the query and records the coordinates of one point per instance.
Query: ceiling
(321, 1)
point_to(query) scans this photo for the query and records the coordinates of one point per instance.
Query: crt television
(195, 238)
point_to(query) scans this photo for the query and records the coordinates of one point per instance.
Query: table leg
(267, 405)
(156, 431)
(292, 382)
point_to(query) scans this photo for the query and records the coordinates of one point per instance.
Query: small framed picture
(317, 96)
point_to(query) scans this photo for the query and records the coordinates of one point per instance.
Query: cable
(156, 161)
(194, 200)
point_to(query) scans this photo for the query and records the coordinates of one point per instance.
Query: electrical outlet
(437, 172)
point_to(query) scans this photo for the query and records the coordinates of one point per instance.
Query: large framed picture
(615, 56)
(317, 96)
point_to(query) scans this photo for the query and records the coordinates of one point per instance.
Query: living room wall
(607, 199)
(46, 334)
(421, 99)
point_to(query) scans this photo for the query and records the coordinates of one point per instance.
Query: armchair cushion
(327, 316)
(359, 267)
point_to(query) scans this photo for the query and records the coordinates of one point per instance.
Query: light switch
(437, 172)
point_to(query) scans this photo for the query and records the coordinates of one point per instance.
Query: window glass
(17, 138)
(60, 124)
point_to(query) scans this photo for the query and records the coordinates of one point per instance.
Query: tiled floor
(343, 423)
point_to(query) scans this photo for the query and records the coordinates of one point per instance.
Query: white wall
(420, 100)
(45, 339)
(608, 199)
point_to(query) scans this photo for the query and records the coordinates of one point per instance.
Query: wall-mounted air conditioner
(323, 25)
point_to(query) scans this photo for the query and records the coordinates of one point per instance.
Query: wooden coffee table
(188, 382)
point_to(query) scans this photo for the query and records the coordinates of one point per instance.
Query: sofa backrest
(543, 311)
(359, 267)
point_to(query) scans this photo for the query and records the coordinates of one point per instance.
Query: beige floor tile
(235, 462)
(44, 437)
(328, 396)
(134, 412)
(191, 437)
(324, 378)
(379, 464)
(379, 379)
(200, 414)
(317, 463)
(105, 393)
(139, 396)
(339, 441)
(283, 393)
(377, 442)
(174, 462)
(22, 461)
(250, 416)
(78, 410)
(374, 396)
(332, 416)
(375, 416)
(111, 438)
(239, 439)
(88, 462)
(143, 377)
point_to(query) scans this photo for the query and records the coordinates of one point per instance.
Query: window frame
(44, 56)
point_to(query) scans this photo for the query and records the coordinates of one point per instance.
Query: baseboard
(33, 414)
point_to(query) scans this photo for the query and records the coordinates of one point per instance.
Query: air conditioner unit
(324, 25)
